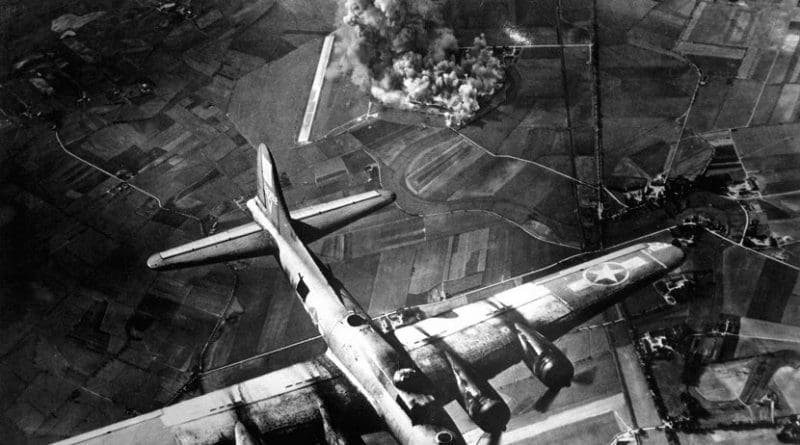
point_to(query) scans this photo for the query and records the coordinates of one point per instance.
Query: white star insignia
(606, 274)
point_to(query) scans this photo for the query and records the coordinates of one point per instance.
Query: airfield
(603, 98)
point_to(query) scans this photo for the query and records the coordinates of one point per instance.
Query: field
(639, 111)
(764, 291)
(692, 157)
(724, 383)
(459, 175)
(586, 431)
(770, 154)
(533, 124)
(340, 100)
(423, 257)
(733, 391)
(786, 380)
(723, 437)
(760, 337)
(283, 105)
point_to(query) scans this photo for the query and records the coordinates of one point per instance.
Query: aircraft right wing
(520, 324)
(248, 240)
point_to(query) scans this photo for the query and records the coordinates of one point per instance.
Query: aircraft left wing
(302, 403)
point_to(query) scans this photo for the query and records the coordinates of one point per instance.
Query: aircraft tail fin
(268, 188)
(268, 193)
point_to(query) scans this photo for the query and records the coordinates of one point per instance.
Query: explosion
(403, 54)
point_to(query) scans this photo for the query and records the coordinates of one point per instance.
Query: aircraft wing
(294, 402)
(249, 240)
(514, 325)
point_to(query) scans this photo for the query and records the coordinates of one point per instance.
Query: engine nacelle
(544, 359)
(481, 402)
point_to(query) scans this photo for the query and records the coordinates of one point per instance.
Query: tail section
(269, 196)
(271, 219)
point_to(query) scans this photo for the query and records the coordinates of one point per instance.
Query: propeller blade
(546, 400)
(490, 438)
(585, 377)
(243, 436)
(524, 406)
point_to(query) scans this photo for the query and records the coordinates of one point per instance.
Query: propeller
(243, 428)
(546, 399)
(490, 438)
(542, 404)
(585, 377)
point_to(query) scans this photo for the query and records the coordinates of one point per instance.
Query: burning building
(404, 55)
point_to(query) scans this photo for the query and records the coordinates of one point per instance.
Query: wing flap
(276, 401)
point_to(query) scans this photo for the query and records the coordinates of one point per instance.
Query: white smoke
(403, 54)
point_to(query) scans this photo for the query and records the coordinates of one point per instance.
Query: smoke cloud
(401, 52)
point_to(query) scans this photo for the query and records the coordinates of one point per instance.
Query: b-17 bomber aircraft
(373, 377)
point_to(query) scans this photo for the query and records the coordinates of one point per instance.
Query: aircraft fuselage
(482, 333)
(363, 354)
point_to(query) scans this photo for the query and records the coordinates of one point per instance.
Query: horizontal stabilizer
(314, 222)
(249, 240)
(245, 241)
